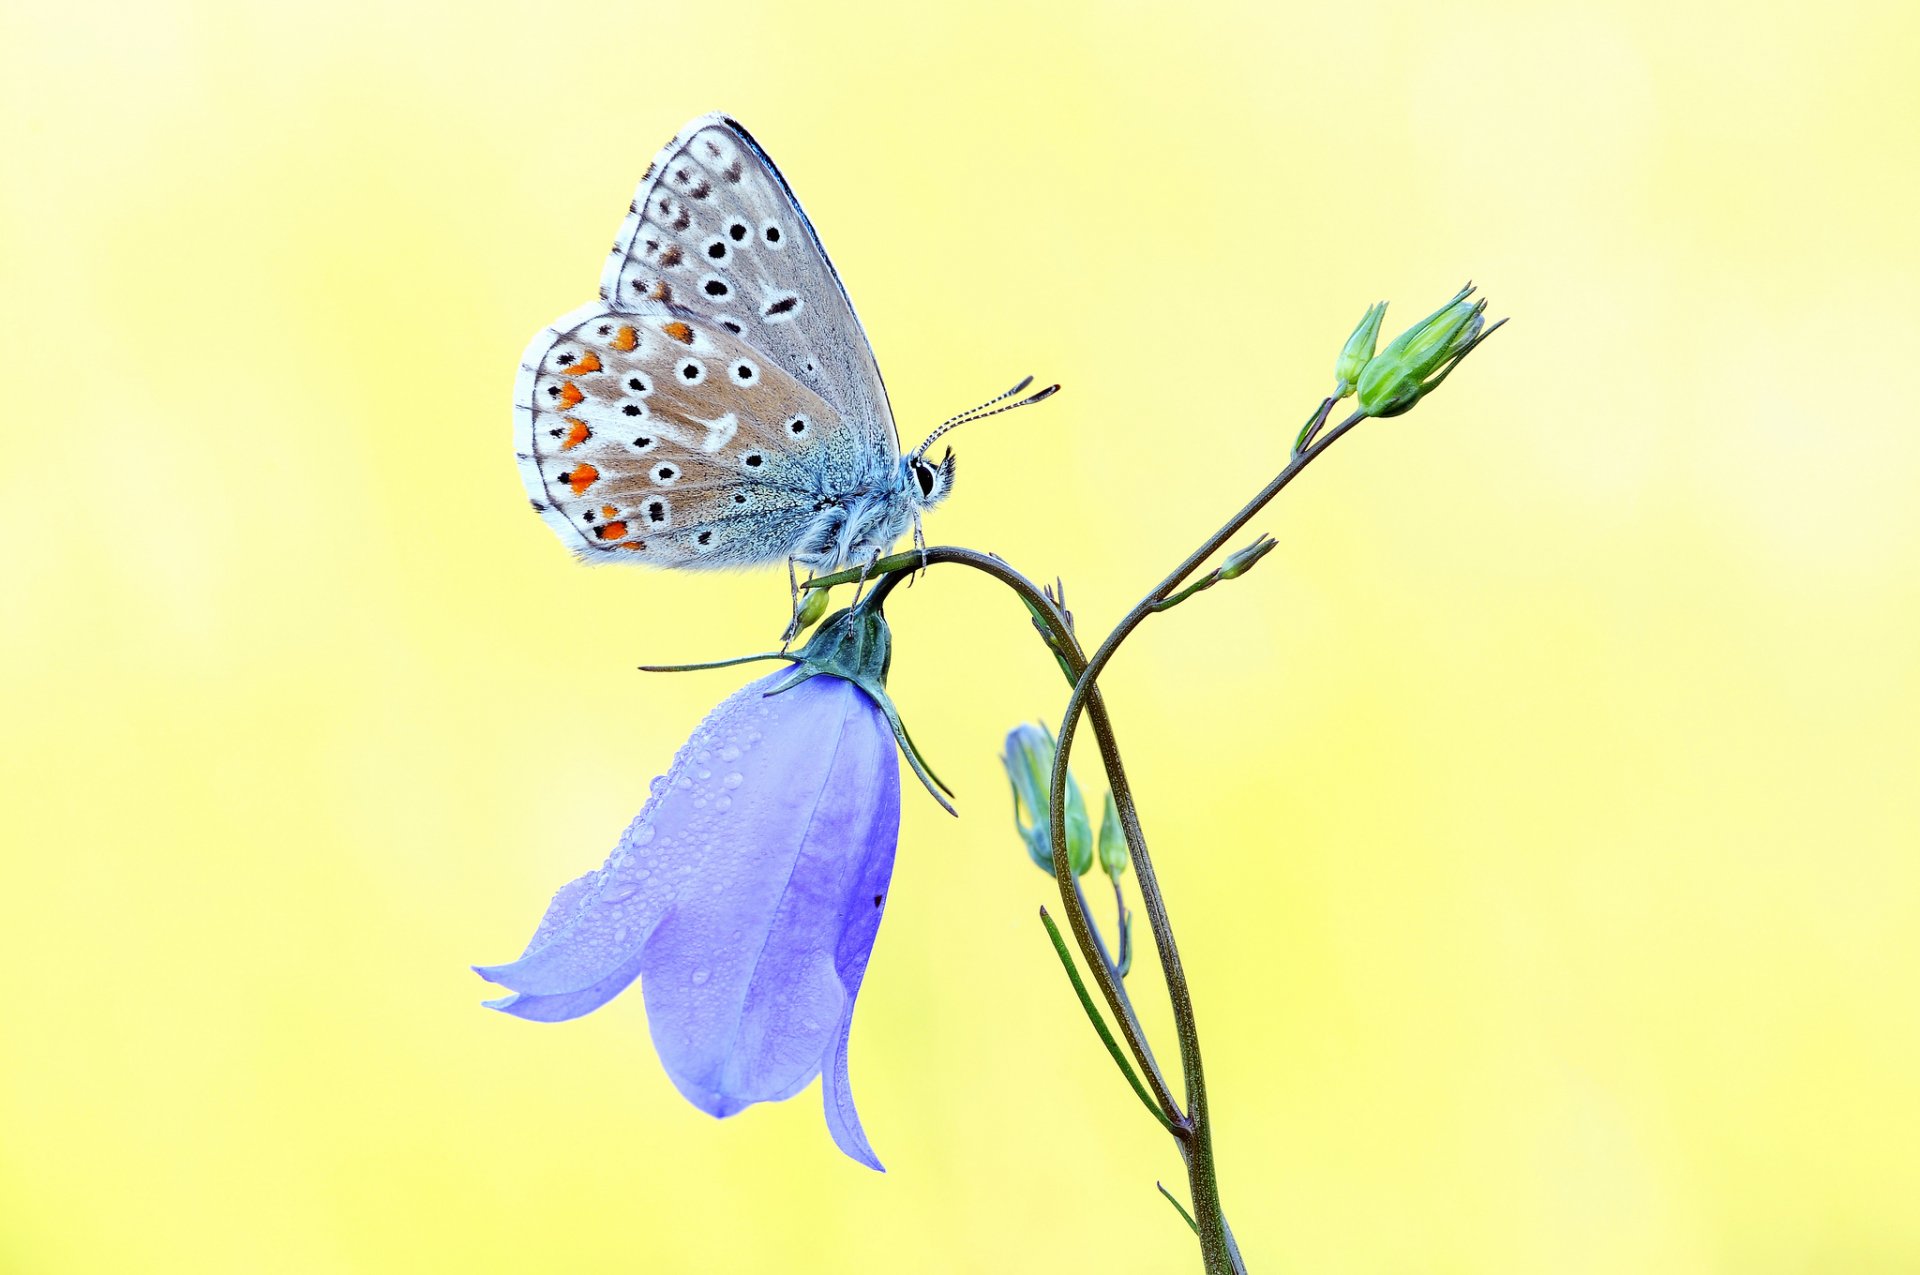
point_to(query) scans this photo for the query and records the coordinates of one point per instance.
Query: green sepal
(1358, 351)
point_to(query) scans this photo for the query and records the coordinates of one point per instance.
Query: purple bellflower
(746, 895)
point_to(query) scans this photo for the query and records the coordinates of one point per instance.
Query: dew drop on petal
(723, 802)
(700, 976)
(619, 893)
(733, 780)
(729, 753)
(657, 785)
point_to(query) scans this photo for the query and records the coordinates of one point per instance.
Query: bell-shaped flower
(747, 894)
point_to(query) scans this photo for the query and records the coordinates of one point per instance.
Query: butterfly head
(927, 483)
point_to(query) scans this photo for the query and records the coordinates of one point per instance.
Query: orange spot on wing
(581, 477)
(577, 433)
(625, 339)
(570, 395)
(679, 332)
(633, 546)
(608, 511)
(612, 531)
(588, 362)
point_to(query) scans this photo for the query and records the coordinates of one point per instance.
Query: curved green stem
(1060, 638)
(1216, 1243)
(1192, 1128)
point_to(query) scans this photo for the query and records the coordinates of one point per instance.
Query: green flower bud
(1029, 765)
(1079, 832)
(1240, 561)
(1113, 842)
(812, 607)
(1415, 362)
(1358, 350)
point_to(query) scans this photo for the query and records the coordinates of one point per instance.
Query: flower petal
(750, 979)
(565, 1005)
(595, 926)
(746, 896)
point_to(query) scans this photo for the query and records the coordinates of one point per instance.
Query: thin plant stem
(1218, 1251)
(1192, 1128)
(1099, 1023)
(1060, 638)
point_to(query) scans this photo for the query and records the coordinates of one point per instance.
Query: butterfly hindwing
(645, 435)
(715, 232)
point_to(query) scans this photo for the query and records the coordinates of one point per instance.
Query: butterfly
(719, 405)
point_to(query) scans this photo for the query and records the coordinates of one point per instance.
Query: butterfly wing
(715, 232)
(644, 435)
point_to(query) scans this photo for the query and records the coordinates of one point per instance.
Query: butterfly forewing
(715, 233)
(652, 436)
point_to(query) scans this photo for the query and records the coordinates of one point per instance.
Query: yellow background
(1539, 821)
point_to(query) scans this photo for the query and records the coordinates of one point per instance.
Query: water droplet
(700, 976)
(657, 784)
(619, 892)
(620, 935)
(683, 782)
(734, 780)
(705, 773)
(643, 836)
(729, 753)
(723, 802)
(703, 756)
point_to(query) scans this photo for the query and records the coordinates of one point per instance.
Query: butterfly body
(719, 406)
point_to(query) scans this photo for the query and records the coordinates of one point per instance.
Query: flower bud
(1415, 362)
(1113, 841)
(1358, 351)
(812, 607)
(1029, 766)
(1240, 561)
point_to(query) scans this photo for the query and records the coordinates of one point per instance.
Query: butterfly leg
(919, 547)
(793, 600)
(866, 573)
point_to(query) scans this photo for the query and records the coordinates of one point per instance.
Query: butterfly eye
(923, 474)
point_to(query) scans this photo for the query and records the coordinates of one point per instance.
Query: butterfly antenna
(985, 410)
